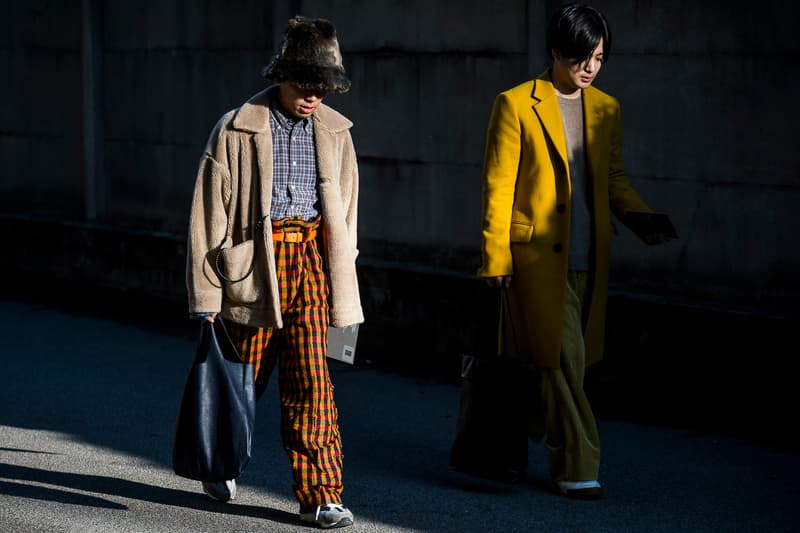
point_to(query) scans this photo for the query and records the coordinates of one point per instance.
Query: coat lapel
(324, 143)
(253, 117)
(547, 110)
(263, 146)
(328, 124)
(592, 118)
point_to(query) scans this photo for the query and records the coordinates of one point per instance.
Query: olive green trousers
(564, 417)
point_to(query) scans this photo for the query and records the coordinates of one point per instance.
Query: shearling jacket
(526, 214)
(232, 194)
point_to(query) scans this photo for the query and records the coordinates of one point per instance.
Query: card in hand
(648, 222)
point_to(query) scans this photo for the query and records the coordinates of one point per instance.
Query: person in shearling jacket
(552, 176)
(272, 249)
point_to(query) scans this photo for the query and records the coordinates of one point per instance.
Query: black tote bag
(214, 430)
(491, 437)
(495, 402)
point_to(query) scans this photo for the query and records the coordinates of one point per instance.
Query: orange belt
(292, 235)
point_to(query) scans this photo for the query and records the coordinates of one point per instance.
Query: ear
(555, 55)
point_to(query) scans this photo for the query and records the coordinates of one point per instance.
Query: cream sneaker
(329, 516)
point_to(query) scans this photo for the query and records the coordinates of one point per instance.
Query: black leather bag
(214, 430)
(495, 402)
(491, 438)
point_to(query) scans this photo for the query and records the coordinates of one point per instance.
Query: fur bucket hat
(309, 57)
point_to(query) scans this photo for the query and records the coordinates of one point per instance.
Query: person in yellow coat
(552, 176)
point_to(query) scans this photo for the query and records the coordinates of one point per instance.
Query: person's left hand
(656, 238)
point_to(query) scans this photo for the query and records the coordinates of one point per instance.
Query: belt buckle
(292, 236)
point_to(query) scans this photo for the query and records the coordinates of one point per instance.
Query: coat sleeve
(208, 223)
(350, 197)
(500, 168)
(342, 245)
(621, 194)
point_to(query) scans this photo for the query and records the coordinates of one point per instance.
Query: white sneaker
(584, 490)
(222, 491)
(329, 516)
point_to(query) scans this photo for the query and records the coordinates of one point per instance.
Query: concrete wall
(424, 78)
(41, 162)
(705, 93)
(708, 140)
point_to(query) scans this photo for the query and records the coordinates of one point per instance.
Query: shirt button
(294, 163)
(561, 208)
(557, 247)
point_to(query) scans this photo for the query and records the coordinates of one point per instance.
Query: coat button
(561, 208)
(557, 247)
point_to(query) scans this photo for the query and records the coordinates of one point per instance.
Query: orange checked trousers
(309, 418)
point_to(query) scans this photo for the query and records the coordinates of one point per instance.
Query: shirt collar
(284, 118)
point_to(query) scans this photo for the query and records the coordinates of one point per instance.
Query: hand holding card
(651, 227)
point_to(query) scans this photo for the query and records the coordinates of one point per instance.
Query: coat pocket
(236, 267)
(521, 232)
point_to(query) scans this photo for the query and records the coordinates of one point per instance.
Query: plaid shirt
(294, 166)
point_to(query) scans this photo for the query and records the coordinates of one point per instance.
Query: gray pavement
(87, 409)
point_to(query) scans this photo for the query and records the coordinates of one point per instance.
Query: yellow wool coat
(526, 193)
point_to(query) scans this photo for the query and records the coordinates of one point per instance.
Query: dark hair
(575, 31)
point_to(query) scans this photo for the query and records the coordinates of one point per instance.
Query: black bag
(491, 439)
(214, 430)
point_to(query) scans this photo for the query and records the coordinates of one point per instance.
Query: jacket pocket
(521, 232)
(236, 268)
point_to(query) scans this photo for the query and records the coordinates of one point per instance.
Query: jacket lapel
(592, 117)
(253, 117)
(547, 110)
(328, 124)
(262, 144)
(324, 143)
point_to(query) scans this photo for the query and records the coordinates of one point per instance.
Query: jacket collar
(253, 116)
(543, 88)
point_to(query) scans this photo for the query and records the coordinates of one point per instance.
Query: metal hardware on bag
(256, 232)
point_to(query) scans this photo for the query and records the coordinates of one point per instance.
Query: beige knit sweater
(238, 160)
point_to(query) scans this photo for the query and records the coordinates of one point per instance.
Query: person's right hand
(211, 317)
(499, 281)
